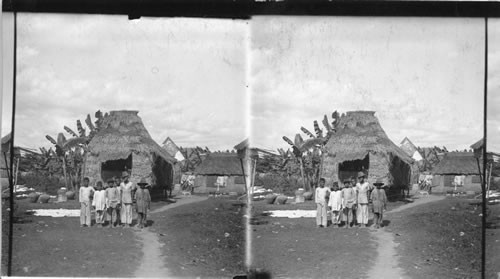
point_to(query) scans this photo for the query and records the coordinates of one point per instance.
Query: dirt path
(153, 262)
(387, 262)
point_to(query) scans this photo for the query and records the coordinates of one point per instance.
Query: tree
(63, 146)
(310, 152)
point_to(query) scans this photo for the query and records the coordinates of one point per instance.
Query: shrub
(280, 184)
(41, 183)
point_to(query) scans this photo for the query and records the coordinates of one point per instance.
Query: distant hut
(173, 150)
(216, 165)
(456, 164)
(360, 144)
(124, 144)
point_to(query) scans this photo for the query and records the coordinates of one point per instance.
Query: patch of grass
(493, 242)
(47, 246)
(204, 238)
(295, 248)
(439, 239)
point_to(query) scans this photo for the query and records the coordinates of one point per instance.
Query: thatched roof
(220, 164)
(122, 133)
(407, 146)
(360, 133)
(457, 163)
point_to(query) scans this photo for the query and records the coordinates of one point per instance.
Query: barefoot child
(322, 194)
(348, 200)
(84, 196)
(335, 204)
(143, 201)
(99, 203)
(379, 201)
(112, 201)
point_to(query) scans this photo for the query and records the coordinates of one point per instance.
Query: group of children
(350, 205)
(114, 203)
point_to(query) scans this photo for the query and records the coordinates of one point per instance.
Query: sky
(424, 77)
(186, 77)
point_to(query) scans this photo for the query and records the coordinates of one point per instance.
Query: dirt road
(153, 262)
(387, 261)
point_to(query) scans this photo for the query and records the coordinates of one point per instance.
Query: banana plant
(62, 147)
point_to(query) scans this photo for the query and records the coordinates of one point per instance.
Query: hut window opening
(350, 169)
(115, 168)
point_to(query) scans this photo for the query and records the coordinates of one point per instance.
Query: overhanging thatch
(220, 164)
(123, 133)
(360, 133)
(457, 163)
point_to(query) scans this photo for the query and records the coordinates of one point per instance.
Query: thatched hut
(360, 144)
(216, 165)
(453, 164)
(123, 143)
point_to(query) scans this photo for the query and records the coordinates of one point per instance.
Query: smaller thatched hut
(217, 165)
(453, 164)
(123, 143)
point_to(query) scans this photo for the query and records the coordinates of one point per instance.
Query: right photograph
(368, 134)
(493, 154)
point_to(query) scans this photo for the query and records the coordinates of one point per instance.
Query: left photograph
(119, 139)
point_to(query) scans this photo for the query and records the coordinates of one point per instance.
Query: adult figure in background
(362, 189)
(322, 193)
(126, 188)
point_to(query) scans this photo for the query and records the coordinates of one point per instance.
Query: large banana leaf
(51, 139)
(80, 128)
(327, 124)
(307, 132)
(89, 123)
(74, 142)
(70, 131)
(298, 140)
(311, 143)
(319, 132)
(288, 140)
(61, 139)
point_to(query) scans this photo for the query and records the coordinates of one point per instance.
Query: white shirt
(362, 190)
(321, 194)
(85, 193)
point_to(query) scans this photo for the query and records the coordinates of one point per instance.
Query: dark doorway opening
(115, 168)
(162, 178)
(350, 169)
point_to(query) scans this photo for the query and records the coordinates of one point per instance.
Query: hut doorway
(401, 177)
(162, 177)
(350, 169)
(115, 168)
